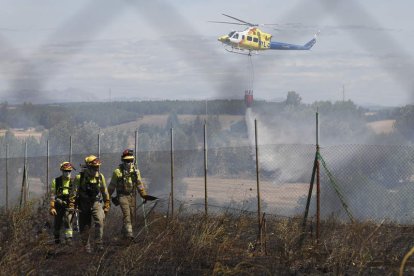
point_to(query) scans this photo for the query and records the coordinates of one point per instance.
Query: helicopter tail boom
(286, 46)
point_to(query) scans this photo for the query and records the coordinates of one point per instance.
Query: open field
(282, 198)
(23, 134)
(161, 120)
(384, 126)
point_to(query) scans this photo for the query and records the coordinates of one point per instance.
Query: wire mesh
(374, 181)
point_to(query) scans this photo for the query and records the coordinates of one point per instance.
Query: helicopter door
(260, 40)
(235, 38)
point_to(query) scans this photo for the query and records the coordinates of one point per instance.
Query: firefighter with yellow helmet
(60, 206)
(90, 193)
(126, 179)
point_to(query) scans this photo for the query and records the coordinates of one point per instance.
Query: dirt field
(281, 197)
(22, 134)
(384, 126)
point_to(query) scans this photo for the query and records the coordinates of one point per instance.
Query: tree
(172, 121)
(293, 98)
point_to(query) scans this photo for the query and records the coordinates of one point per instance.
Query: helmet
(127, 154)
(66, 166)
(92, 160)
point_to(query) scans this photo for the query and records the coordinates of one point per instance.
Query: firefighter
(90, 193)
(60, 206)
(126, 179)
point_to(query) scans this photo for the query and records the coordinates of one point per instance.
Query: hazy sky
(115, 50)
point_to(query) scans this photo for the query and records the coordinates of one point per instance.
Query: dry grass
(223, 244)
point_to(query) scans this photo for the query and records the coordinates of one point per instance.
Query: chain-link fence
(373, 182)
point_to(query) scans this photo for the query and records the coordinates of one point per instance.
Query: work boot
(69, 241)
(88, 248)
(57, 239)
(100, 247)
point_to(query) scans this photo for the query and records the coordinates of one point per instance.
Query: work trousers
(127, 203)
(91, 211)
(65, 217)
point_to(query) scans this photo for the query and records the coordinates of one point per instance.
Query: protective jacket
(124, 181)
(89, 189)
(61, 189)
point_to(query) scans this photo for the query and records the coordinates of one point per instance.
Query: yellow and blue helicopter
(253, 39)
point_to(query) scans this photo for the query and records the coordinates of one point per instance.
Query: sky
(102, 50)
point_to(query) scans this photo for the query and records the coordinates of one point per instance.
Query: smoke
(284, 149)
(32, 75)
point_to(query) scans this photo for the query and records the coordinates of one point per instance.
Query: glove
(71, 207)
(52, 210)
(107, 205)
(60, 202)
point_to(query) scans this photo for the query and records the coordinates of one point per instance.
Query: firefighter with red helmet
(126, 179)
(92, 199)
(60, 206)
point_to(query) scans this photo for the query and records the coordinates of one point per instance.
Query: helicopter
(254, 40)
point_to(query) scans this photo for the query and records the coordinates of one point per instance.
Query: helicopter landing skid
(241, 52)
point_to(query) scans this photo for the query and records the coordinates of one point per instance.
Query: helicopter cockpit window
(231, 33)
(236, 36)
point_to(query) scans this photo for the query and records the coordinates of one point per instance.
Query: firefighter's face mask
(66, 174)
(93, 170)
(128, 163)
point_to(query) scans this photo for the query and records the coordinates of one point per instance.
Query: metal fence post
(259, 211)
(26, 175)
(7, 177)
(205, 170)
(47, 167)
(172, 172)
(70, 148)
(99, 144)
(135, 161)
(318, 184)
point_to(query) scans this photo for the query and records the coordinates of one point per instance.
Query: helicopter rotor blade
(225, 81)
(248, 23)
(232, 23)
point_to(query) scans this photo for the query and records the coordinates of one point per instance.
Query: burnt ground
(224, 244)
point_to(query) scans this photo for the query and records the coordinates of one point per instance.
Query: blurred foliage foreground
(190, 244)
